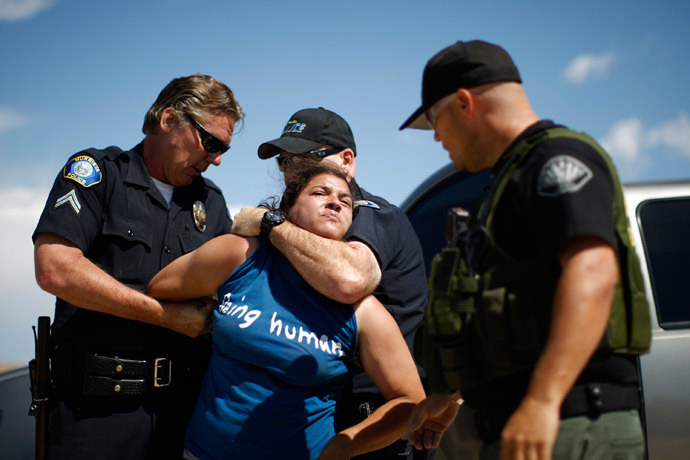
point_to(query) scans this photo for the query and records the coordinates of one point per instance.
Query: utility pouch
(495, 341)
(629, 327)
(505, 334)
(441, 343)
(450, 295)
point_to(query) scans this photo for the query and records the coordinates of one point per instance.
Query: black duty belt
(115, 376)
(592, 400)
(597, 398)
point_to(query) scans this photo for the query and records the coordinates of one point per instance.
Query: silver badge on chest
(199, 213)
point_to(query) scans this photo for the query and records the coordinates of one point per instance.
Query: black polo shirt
(104, 202)
(562, 189)
(403, 288)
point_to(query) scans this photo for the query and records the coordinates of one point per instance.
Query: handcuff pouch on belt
(114, 376)
(488, 315)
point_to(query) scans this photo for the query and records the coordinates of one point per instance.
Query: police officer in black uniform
(380, 253)
(543, 280)
(127, 368)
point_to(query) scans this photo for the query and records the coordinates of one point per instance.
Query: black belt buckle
(162, 372)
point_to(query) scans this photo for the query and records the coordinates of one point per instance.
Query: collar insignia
(199, 213)
(366, 204)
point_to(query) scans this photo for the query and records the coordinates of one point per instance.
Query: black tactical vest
(488, 315)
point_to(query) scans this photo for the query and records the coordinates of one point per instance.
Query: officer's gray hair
(197, 95)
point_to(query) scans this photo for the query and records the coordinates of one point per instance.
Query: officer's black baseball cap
(462, 65)
(309, 129)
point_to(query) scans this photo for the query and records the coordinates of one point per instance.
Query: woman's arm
(388, 362)
(201, 272)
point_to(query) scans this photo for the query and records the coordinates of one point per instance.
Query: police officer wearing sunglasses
(537, 312)
(380, 253)
(126, 369)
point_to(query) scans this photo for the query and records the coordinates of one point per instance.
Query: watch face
(271, 218)
(275, 215)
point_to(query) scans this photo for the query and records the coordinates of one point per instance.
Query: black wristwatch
(271, 218)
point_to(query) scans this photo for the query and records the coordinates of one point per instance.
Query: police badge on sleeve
(83, 170)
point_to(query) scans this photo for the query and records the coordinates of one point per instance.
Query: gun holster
(39, 370)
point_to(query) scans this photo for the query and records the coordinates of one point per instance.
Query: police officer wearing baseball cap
(380, 253)
(530, 317)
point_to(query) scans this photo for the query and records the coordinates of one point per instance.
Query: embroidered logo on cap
(83, 170)
(562, 174)
(293, 126)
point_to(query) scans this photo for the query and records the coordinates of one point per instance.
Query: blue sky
(78, 74)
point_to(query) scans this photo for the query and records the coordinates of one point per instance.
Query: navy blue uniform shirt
(105, 202)
(403, 288)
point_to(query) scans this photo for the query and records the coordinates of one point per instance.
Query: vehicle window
(430, 207)
(665, 228)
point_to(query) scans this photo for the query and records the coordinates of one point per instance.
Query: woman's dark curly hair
(301, 173)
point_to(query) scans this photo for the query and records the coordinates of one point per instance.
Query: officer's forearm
(344, 271)
(63, 270)
(582, 305)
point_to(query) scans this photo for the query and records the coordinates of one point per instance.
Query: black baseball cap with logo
(309, 129)
(462, 65)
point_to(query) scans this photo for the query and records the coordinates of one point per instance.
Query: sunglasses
(210, 142)
(320, 154)
(433, 111)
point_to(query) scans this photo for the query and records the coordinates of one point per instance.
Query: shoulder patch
(562, 174)
(83, 170)
(366, 204)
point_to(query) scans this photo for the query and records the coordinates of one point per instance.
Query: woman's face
(324, 207)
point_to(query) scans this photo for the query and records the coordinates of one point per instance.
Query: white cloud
(624, 139)
(10, 119)
(624, 142)
(16, 10)
(22, 300)
(673, 133)
(588, 65)
(631, 145)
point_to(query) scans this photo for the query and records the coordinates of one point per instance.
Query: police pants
(613, 435)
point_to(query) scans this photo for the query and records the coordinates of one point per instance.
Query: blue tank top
(282, 353)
